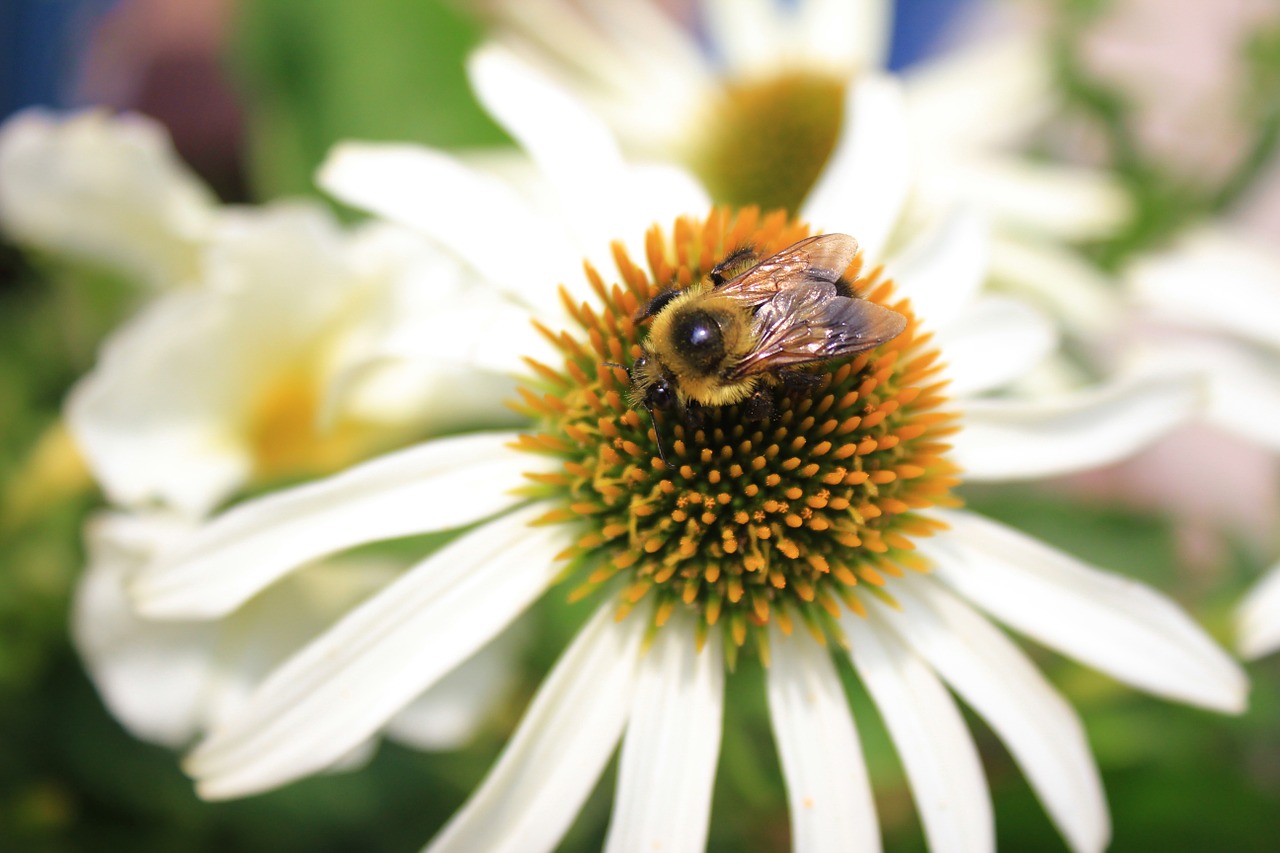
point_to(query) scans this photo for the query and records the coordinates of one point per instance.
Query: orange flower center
(793, 516)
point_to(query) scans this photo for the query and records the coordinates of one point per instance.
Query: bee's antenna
(613, 364)
(657, 436)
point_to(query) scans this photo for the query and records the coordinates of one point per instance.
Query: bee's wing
(823, 258)
(811, 322)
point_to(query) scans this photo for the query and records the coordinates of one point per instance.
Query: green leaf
(318, 72)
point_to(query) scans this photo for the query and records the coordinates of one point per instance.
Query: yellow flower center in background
(766, 142)
(794, 516)
(288, 436)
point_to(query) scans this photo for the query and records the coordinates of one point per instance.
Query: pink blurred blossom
(1259, 213)
(1181, 63)
(1215, 485)
(165, 59)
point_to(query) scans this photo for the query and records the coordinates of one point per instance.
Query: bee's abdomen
(698, 339)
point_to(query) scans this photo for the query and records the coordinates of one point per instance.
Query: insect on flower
(734, 336)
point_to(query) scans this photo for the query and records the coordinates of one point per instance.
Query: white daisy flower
(1217, 295)
(166, 682)
(272, 366)
(830, 524)
(1211, 302)
(265, 353)
(759, 98)
(256, 360)
(766, 102)
(104, 189)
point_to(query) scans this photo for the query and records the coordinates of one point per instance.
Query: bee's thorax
(697, 340)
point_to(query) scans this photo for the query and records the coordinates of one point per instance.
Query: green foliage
(51, 320)
(1262, 106)
(318, 72)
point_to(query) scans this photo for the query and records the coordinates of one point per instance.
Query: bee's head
(650, 387)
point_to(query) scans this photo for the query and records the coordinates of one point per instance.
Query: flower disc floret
(797, 515)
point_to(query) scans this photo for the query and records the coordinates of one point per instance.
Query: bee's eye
(660, 394)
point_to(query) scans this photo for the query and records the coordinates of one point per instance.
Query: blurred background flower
(254, 93)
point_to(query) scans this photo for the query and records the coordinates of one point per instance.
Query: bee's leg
(758, 407)
(695, 415)
(799, 382)
(737, 262)
(656, 304)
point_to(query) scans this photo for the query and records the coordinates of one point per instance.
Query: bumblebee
(749, 326)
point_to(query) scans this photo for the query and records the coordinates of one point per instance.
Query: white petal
(570, 36)
(473, 215)
(994, 341)
(151, 675)
(996, 679)
(287, 249)
(1065, 202)
(1258, 620)
(656, 193)
(1074, 291)
(345, 685)
(543, 777)
(165, 680)
(400, 387)
(828, 792)
(1108, 622)
(668, 761)
(430, 324)
(744, 35)
(159, 417)
(428, 309)
(279, 621)
(450, 712)
(168, 412)
(601, 199)
(942, 271)
(665, 62)
(1244, 395)
(1243, 381)
(434, 486)
(357, 759)
(929, 734)
(1243, 281)
(640, 69)
(1011, 440)
(845, 35)
(104, 188)
(865, 183)
(981, 96)
(574, 150)
(663, 53)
